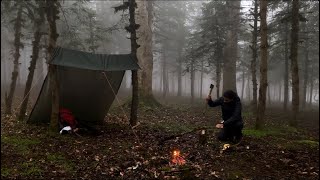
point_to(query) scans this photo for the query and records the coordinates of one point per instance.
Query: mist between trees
(266, 51)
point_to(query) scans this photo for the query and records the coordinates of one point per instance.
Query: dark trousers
(232, 134)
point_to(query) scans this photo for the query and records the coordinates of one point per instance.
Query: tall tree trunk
(15, 73)
(35, 55)
(248, 87)
(305, 78)
(286, 67)
(269, 95)
(218, 69)
(219, 57)
(39, 66)
(294, 61)
(164, 76)
(192, 74)
(134, 46)
(167, 82)
(185, 84)
(161, 81)
(243, 83)
(144, 53)
(179, 74)
(230, 57)
(218, 74)
(201, 79)
(254, 58)
(52, 16)
(280, 92)
(263, 65)
(311, 87)
(173, 81)
(274, 95)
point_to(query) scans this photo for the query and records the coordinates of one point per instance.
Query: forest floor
(278, 152)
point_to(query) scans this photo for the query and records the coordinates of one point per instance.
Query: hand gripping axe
(210, 92)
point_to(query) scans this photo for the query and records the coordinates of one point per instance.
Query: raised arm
(215, 103)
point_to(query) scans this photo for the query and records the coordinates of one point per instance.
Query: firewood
(161, 142)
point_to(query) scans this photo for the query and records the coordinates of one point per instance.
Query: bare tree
(254, 57)
(52, 16)
(230, 56)
(134, 46)
(306, 66)
(294, 61)
(38, 23)
(17, 46)
(263, 65)
(144, 53)
(286, 66)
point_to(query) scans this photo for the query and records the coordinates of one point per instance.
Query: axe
(210, 92)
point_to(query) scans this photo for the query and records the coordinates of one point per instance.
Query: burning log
(178, 167)
(177, 159)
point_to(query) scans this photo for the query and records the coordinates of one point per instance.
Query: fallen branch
(182, 134)
(179, 170)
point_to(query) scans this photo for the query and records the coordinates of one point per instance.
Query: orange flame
(177, 158)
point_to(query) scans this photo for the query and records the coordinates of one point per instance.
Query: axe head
(211, 86)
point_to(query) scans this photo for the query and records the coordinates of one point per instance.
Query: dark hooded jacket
(231, 112)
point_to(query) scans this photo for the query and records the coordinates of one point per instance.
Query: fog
(179, 34)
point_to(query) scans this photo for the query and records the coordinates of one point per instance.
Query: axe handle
(210, 92)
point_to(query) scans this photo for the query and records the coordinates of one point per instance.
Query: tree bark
(280, 91)
(219, 57)
(243, 83)
(192, 74)
(52, 16)
(164, 76)
(286, 67)
(248, 87)
(294, 61)
(134, 46)
(269, 94)
(179, 74)
(305, 76)
(254, 58)
(201, 79)
(16, 56)
(35, 55)
(263, 65)
(311, 87)
(144, 53)
(218, 68)
(230, 57)
(274, 95)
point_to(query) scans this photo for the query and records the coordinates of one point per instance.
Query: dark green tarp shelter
(83, 84)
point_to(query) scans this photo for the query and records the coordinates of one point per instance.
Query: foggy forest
(139, 89)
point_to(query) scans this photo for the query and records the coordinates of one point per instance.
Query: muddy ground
(279, 152)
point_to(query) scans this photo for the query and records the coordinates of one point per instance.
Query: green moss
(254, 133)
(21, 144)
(31, 169)
(59, 160)
(274, 131)
(5, 172)
(300, 144)
(247, 114)
(309, 143)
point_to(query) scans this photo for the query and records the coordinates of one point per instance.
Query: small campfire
(177, 159)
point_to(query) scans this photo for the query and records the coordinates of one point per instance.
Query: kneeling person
(232, 123)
